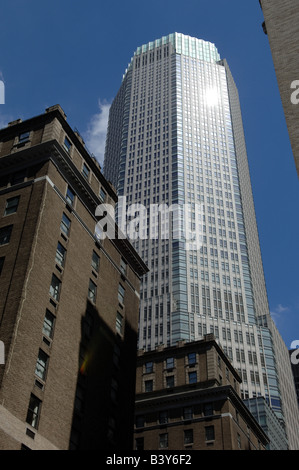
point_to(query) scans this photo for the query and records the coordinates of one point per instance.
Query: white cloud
(277, 311)
(95, 136)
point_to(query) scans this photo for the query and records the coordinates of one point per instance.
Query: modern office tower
(69, 302)
(175, 137)
(269, 422)
(281, 26)
(188, 397)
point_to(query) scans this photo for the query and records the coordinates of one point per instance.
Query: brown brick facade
(188, 398)
(86, 373)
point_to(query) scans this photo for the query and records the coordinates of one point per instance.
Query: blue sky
(75, 53)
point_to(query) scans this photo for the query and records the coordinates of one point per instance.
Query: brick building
(188, 397)
(69, 302)
(281, 26)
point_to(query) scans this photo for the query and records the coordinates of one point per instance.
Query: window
(149, 367)
(163, 417)
(1, 264)
(148, 385)
(163, 440)
(24, 137)
(192, 377)
(55, 287)
(102, 195)
(121, 293)
(48, 326)
(208, 409)
(60, 254)
(170, 363)
(65, 225)
(11, 205)
(18, 177)
(5, 233)
(70, 196)
(170, 381)
(140, 421)
(210, 433)
(33, 411)
(188, 436)
(92, 291)
(85, 171)
(41, 364)
(139, 443)
(123, 266)
(191, 358)
(119, 323)
(95, 261)
(67, 144)
(188, 412)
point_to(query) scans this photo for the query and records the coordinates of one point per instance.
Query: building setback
(281, 26)
(188, 397)
(68, 301)
(175, 138)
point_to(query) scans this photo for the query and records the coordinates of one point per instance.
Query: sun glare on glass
(212, 97)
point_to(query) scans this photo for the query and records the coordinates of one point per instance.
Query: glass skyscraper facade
(175, 139)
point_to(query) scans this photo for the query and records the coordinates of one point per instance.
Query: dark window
(11, 205)
(1, 263)
(139, 443)
(121, 294)
(60, 254)
(102, 195)
(148, 385)
(188, 412)
(70, 196)
(170, 381)
(163, 440)
(208, 409)
(18, 177)
(140, 421)
(41, 364)
(33, 413)
(188, 436)
(95, 261)
(149, 367)
(65, 225)
(85, 170)
(92, 291)
(170, 363)
(163, 417)
(24, 137)
(119, 323)
(67, 144)
(48, 326)
(55, 287)
(123, 266)
(192, 377)
(5, 233)
(210, 433)
(191, 358)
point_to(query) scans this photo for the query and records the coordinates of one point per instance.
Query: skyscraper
(175, 138)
